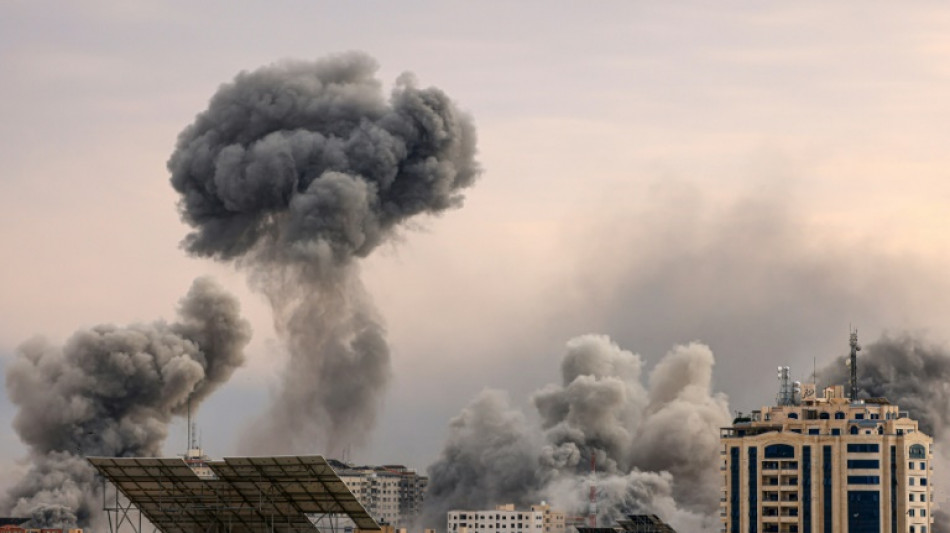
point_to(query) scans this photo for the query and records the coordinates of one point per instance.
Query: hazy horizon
(758, 177)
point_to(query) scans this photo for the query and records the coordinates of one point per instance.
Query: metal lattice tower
(853, 363)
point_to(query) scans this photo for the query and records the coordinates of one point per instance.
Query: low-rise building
(506, 519)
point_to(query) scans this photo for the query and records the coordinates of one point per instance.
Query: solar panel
(247, 494)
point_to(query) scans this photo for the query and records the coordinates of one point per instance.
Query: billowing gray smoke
(912, 373)
(112, 391)
(907, 371)
(294, 171)
(656, 446)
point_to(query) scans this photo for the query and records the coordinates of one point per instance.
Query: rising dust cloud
(295, 172)
(112, 391)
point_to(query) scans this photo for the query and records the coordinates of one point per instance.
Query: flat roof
(247, 494)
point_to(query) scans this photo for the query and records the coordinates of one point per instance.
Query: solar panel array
(247, 494)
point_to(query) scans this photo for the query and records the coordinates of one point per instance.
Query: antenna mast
(592, 511)
(188, 447)
(853, 363)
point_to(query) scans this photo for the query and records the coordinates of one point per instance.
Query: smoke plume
(112, 391)
(655, 445)
(294, 172)
(907, 371)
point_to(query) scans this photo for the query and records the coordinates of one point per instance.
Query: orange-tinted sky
(754, 175)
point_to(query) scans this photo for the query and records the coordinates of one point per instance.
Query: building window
(835, 432)
(781, 451)
(918, 452)
(865, 480)
(910, 465)
(827, 482)
(812, 431)
(793, 415)
(839, 416)
(864, 463)
(923, 465)
(923, 482)
(911, 496)
(864, 510)
(854, 430)
(823, 416)
(910, 513)
(863, 448)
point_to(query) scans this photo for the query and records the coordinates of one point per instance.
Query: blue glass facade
(864, 463)
(734, 496)
(753, 490)
(894, 489)
(827, 485)
(806, 489)
(864, 511)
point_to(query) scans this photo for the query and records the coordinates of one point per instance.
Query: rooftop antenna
(592, 510)
(188, 444)
(853, 363)
(784, 396)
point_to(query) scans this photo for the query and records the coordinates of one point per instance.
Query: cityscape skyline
(752, 177)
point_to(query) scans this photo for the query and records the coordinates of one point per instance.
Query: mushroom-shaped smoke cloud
(293, 172)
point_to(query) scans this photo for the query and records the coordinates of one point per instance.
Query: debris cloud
(294, 172)
(112, 391)
(655, 444)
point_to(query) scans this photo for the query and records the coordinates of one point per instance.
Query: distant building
(634, 523)
(19, 525)
(826, 464)
(554, 521)
(392, 494)
(506, 519)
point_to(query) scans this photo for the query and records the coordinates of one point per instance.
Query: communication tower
(853, 363)
(784, 396)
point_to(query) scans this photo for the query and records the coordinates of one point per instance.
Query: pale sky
(753, 175)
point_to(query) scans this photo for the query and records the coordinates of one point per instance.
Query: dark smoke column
(294, 172)
(112, 391)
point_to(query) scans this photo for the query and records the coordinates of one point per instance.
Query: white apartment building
(507, 519)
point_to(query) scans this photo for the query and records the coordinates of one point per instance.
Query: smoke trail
(293, 172)
(655, 446)
(112, 391)
(907, 371)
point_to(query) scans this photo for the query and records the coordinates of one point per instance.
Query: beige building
(553, 520)
(826, 464)
(506, 519)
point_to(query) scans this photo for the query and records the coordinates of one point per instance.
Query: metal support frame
(193, 505)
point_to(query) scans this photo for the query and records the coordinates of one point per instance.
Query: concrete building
(554, 521)
(392, 494)
(503, 519)
(826, 464)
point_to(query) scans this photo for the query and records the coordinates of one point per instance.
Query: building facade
(554, 521)
(391, 494)
(826, 464)
(503, 519)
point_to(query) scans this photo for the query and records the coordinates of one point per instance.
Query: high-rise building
(392, 494)
(826, 464)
